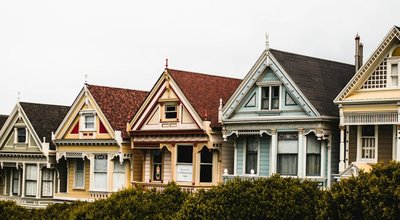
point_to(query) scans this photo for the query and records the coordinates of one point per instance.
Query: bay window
(119, 175)
(79, 180)
(157, 165)
(184, 163)
(251, 155)
(31, 180)
(47, 182)
(15, 181)
(206, 165)
(313, 159)
(287, 154)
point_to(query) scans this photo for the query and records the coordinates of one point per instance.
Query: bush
(270, 198)
(374, 195)
(10, 210)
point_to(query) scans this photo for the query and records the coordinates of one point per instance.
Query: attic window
(21, 135)
(171, 111)
(393, 64)
(89, 122)
(270, 98)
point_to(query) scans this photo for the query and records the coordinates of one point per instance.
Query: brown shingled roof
(44, 118)
(204, 91)
(117, 104)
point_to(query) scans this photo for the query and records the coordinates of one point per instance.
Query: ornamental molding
(277, 126)
(180, 138)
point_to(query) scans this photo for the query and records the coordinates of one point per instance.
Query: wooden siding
(352, 144)
(167, 176)
(335, 145)
(239, 155)
(227, 157)
(79, 193)
(147, 170)
(385, 143)
(265, 143)
(137, 165)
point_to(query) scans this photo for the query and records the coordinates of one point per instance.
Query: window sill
(169, 120)
(79, 188)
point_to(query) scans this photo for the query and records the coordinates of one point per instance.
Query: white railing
(159, 187)
(99, 195)
(370, 118)
(28, 202)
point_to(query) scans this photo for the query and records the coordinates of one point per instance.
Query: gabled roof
(391, 38)
(44, 118)
(3, 119)
(204, 91)
(318, 79)
(118, 105)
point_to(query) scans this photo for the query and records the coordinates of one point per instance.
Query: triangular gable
(72, 127)
(8, 133)
(150, 114)
(372, 74)
(266, 69)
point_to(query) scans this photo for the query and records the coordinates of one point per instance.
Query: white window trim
(16, 135)
(260, 88)
(212, 168)
(82, 120)
(108, 159)
(359, 147)
(390, 61)
(163, 111)
(152, 167)
(322, 162)
(298, 154)
(245, 156)
(75, 165)
(176, 163)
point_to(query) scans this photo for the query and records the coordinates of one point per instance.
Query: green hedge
(374, 195)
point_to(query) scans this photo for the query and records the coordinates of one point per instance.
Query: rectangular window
(47, 182)
(170, 111)
(287, 154)
(89, 122)
(313, 160)
(100, 172)
(394, 74)
(79, 173)
(157, 165)
(15, 182)
(21, 135)
(31, 180)
(251, 155)
(270, 96)
(206, 165)
(368, 142)
(184, 163)
(119, 175)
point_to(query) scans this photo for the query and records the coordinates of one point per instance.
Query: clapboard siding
(385, 143)
(265, 143)
(352, 144)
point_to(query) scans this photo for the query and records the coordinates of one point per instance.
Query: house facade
(178, 133)
(27, 156)
(93, 151)
(282, 118)
(369, 108)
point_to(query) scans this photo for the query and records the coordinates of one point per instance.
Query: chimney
(358, 57)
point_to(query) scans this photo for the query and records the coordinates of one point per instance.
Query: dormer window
(171, 111)
(89, 122)
(21, 135)
(270, 98)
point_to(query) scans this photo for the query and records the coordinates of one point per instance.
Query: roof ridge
(206, 74)
(312, 57)
(35, 103)
(110, 87)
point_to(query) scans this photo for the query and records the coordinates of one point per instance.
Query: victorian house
(27, 155)
(93, 156)
(369, 108)
(177, 130)
(282, 118)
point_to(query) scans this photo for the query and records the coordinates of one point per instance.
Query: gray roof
(318, 79)
(44, 118)
(3, 119)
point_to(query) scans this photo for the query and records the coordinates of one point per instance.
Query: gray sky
(46, 47)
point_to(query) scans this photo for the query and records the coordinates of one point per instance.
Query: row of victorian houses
(294, 115)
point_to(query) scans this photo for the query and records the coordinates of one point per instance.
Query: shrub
(269, 198)
(10, 210)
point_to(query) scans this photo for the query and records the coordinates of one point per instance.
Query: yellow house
(93, 155)
(370, 108)
(27, 155)
(177, 131)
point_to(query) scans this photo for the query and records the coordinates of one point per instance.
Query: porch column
(329, 170)
(341, 150)
(5, 182)
(38, 181)
(110, 172)
(23, 181)
(274, 150)
(300, 155)
(11, 185)
(398, 143)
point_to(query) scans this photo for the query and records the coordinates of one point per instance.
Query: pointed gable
(118, 105)
(44, 118)
(373, 81)
(204, 91)
(318, 79)
(3, 119)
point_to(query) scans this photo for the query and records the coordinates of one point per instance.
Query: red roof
(204, 91)
(118, 105)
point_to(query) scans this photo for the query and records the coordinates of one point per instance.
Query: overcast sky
(47, 47)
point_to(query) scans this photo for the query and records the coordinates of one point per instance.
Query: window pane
(265, 98)
(100, 163)
(313, 165)
(30, 188)
(15, 187)
(170, 111)
(206, 173)
(100, 180)
(89, 121)
(206, 156)
(79, 173)
(31, 172)
(368, 130)
(275, 97)
(185, 154)
(251, 155)
(118, 167)
(21, 132)
(287, 164)
(118, 175)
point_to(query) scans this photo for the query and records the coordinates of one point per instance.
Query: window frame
(165, 111)
(51, 181)
(184, 163)
(206, 164)
(17, 135)
(76, 174)
(119, 172)
(270, 97)
(360, 147)
(390, 61)
(245, 151)
(98, 157)
(288, 136)
(84, 114)
(28, 180)
(16, 177)
(153, 163)
(312, 135)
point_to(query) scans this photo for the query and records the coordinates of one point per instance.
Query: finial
(19, 96)
(86, 77)
(166, 63)
(357, 36)
(266, 41)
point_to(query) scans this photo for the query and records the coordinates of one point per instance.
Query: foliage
(10, 210)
